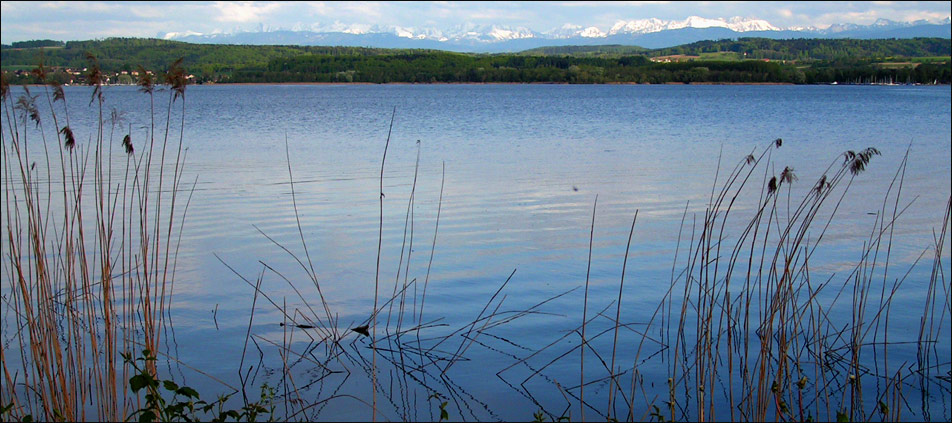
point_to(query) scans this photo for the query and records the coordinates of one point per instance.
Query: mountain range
(648, 33)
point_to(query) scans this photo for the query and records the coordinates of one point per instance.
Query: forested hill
(609, 50)
(802, 50)
(812, 49)
(920, 60)
(117, 54)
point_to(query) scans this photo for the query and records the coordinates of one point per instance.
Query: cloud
(867, 17)
(609, 3)
(95, 19)
(365, 9)
(245, 11)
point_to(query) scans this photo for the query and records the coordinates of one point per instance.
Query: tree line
(769, 61)
(817, 49)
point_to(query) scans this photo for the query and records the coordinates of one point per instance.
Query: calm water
(523, 166)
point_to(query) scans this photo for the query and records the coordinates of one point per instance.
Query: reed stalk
(85, 288)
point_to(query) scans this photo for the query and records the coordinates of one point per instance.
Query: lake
(513, 172)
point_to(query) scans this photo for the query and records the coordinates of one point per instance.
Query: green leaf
(147, 416)
(154, 401)
(842, 417)
(139, 381)
(188, 392)
(169, 385)
(175, 409)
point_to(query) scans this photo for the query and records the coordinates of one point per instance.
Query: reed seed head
(116, 117)
(94, 77)
(857, 161)
(40, 72)
(127, 143)
(26, 104)
(146, 81)
(821, 185)
(787, 175)
(58, 94)
(69, 141)
(175, 77)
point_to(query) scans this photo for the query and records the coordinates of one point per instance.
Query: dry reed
(93, 279)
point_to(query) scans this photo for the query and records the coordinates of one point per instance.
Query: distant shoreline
(494, 83)
(488, 83)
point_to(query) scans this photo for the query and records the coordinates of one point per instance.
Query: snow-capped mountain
(645, 26)
(745, 25)
(649, 33)
(571, 30)
(640, 26)
(490, 33)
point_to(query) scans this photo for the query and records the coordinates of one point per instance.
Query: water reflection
(523, 164)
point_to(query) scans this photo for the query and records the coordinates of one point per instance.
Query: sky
(67, 20)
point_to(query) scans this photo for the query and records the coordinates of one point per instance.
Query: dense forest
(36, 43)
(607, 50)
(745, 60)
(209, 62)
(811, 49)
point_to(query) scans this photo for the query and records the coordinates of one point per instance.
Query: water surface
(523, 166)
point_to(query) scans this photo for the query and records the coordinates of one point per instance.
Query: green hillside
(746, 60)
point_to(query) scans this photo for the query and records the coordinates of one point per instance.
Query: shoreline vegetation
(252, 84)
(747, 330)
(741, 61)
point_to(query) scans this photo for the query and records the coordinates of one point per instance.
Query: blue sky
(87, 20)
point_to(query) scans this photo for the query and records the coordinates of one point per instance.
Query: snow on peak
(644, 26)
(403, 32)
(740, 24)
(883, 22)
(505, 33)
(489, 33)
(571, 30)
(697, 22)
(592, 32)
(639, 26)
(183, 34)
